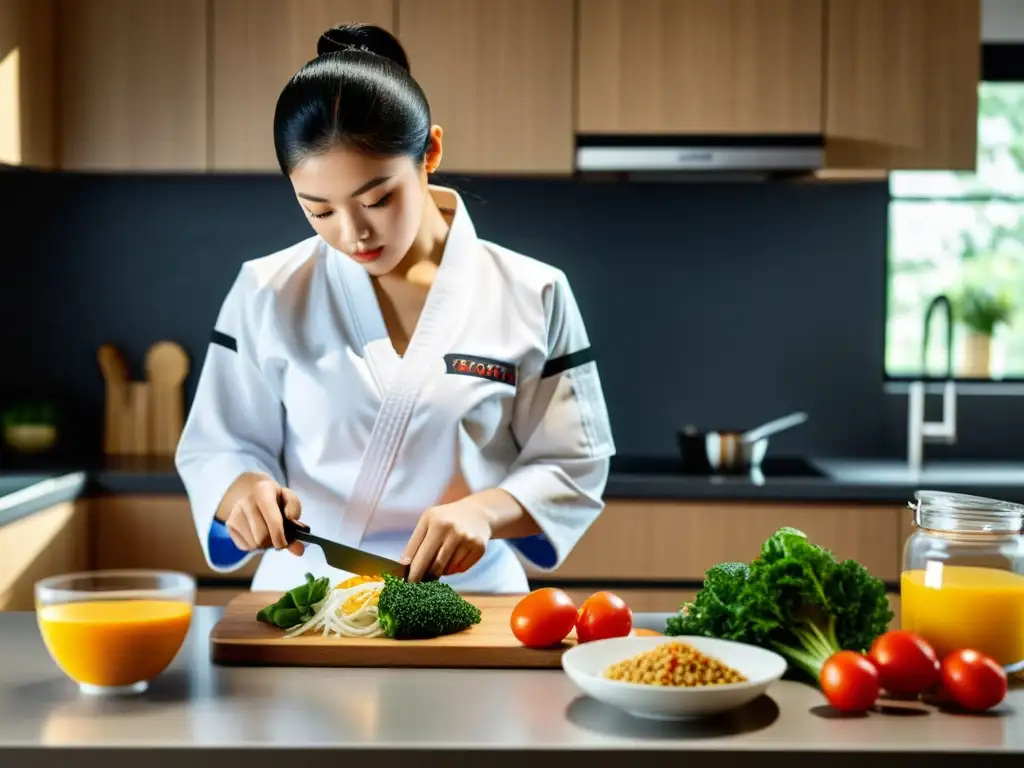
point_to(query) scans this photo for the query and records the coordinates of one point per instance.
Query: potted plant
(30, 427)
(981, 310)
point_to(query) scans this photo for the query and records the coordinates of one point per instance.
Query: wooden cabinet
(903, 83)
(191, 85)
(499, 78)
(699, 66)
(256, 45)
(653, 554)
(677, 541)
(48, 543)
(131, 84)
(26, 83)
(642, 600)
(151, 531)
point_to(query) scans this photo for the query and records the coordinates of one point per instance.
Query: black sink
(772, 466)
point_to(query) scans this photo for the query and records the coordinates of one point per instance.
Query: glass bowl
(114, 631)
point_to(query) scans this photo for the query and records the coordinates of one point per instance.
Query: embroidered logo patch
(480, 367)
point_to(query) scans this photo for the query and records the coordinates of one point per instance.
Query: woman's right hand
(254, 521)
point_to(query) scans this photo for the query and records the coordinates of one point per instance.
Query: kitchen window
(962, 235)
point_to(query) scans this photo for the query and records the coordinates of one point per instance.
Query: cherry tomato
(849, 681)
(543, 618)
(603, 615)
(906, 664)
(973, 680)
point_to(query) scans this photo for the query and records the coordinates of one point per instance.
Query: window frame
(1000, 63)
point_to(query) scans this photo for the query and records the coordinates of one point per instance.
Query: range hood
(690, 157)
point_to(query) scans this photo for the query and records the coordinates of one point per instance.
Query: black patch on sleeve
(228, 342)
(558, 365)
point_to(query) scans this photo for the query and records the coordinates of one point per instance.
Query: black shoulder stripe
(557, 365)
(228, 342)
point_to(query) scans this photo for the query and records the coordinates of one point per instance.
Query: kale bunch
(796, 599)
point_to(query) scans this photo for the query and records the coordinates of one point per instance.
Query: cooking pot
(731, 451)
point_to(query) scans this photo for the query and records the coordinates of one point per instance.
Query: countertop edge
(42, 495)
(654, 754)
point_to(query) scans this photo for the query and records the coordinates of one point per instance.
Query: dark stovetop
(772, 466)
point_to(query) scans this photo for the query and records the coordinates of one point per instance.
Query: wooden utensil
(166, 368)
(239, 639)
(117, 411)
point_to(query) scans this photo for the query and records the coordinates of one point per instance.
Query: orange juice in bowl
(114, 631)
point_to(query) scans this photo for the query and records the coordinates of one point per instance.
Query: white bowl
(585, 665)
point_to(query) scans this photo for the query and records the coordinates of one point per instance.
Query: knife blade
(344, 557)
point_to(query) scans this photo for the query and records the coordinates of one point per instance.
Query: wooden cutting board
(239, 639)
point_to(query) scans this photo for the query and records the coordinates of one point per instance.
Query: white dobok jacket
(498, 388)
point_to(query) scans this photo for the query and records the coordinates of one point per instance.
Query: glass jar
(962, 583)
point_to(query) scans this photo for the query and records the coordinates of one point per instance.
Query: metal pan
(731, 451)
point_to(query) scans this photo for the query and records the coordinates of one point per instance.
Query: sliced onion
(330, 620)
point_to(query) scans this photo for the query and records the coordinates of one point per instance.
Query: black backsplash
(722, 304)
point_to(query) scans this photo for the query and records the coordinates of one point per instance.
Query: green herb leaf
(297, 605)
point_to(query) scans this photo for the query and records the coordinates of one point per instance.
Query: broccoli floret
(712, 612)
(424, 609)
(795, 598)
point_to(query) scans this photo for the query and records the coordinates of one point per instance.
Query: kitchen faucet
(919, 430)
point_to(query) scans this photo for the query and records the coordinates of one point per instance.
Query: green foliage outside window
(962, 235)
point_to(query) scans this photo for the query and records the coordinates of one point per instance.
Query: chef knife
(343, 557)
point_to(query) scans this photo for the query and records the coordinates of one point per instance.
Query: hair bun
(362, 37)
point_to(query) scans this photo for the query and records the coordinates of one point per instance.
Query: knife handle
(292, 530)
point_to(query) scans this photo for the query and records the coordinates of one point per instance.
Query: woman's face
(368, 208)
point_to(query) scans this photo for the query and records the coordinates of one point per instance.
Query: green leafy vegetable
(796, 599)
(424, 609)
(296, 605)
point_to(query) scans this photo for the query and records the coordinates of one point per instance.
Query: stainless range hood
(691, 157)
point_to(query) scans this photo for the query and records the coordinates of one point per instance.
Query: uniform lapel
(402, 378)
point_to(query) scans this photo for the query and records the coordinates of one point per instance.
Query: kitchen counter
(207, 715)
(27, 493)
(868, 480)
(823, 480)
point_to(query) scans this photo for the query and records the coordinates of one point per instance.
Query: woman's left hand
(448, 539)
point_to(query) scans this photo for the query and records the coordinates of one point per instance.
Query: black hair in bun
(358, 92)
(362, 37)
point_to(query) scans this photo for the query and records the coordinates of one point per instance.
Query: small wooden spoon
(115, 379)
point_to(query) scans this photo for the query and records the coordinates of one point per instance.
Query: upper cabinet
(699, 66)
(256, 45)
(26, 83)
(903, 83)
(132, 84)
(191, 85)
(499, 78)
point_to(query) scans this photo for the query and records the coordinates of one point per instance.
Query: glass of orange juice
(114, 631)
(962, 584)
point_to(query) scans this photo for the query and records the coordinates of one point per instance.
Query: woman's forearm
(508, 518)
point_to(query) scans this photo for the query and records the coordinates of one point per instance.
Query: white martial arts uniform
(497, 389)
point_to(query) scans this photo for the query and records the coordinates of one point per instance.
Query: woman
(400, 384)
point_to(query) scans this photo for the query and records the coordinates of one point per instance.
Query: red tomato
(973, 680)
(849, 681)
(603, 615)
(906, 664)
(543, 618)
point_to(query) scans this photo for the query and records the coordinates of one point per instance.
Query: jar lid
(964, 512)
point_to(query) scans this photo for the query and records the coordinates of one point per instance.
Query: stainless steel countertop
(198, 714)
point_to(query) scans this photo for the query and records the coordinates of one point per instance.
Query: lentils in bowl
(674, 664)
